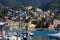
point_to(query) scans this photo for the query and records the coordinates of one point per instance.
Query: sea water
(43, 35)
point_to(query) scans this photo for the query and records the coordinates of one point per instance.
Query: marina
(26, 35)
(29, 19)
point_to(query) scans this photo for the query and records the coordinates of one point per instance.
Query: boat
(55, 36)
(30, 33)
(9, 35)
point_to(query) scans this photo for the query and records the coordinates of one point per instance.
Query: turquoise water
(43, 35)
(44, 32)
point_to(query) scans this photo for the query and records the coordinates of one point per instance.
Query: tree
(3, 13)
(41, 24)
(56, 16)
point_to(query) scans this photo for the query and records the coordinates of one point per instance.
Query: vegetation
(16, 8)
(56, 16)
(34, 9)
(25, 5)
(3, 13)
(40, 24)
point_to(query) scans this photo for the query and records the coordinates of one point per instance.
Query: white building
(29, 7)
(56, 21)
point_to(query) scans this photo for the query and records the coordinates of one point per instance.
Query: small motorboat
(57, 36)
(13, 36)
(30, 33)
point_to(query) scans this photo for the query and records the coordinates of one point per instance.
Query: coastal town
(35, 18)
(26, 22)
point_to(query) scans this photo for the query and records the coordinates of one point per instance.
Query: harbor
(29, 20)
(29, 35)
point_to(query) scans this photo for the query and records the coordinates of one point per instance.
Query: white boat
(9, 35)
(55, 35)
(13, 36)
(10, 38)
(30, 33)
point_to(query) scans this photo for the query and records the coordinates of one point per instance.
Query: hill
(35, 3)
